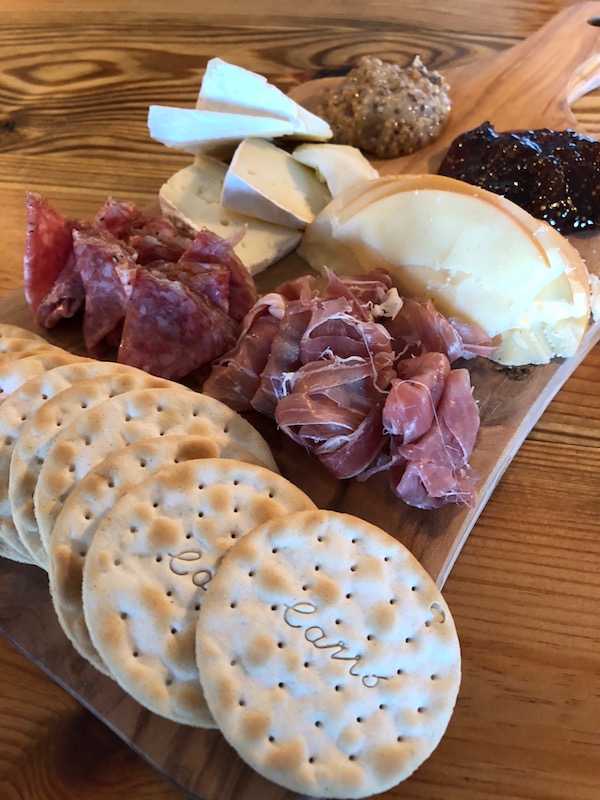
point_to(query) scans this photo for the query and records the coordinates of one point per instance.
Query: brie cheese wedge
(265, 181)
(340, 166)
(192, 197)
(227, 87)
(196, 131)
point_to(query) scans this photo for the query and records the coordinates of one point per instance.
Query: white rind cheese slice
(264, 181)
(227, 87)
(340, 166)
(196, 131)
(192, 197)
(475, 254)
(595, 302)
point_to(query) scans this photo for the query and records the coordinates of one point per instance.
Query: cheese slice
(227, 87)
(265, 181)
(476, 254)
(340, 166)
(196, 131)
(192, 197)
(595, 301)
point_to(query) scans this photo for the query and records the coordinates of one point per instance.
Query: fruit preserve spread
(386, 110)
(555, 175)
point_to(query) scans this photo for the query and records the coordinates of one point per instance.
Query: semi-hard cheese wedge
(193, 196)
(265, 181)
(227, 87)
(340, 166)
(474, 253)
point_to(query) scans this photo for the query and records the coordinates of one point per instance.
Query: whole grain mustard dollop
(385, 109)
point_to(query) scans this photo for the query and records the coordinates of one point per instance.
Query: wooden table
(76, 81)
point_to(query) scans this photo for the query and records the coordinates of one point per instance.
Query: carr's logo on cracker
(341, 650)
(186, 563)
(319, 639)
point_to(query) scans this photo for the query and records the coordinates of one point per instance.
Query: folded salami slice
(170, 330)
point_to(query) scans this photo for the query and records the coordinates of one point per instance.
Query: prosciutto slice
(434, 470)
(335, 327)
(410, 407)
(235, 378)
(475, 341)
(285, 357)
(420, 328)
(296, 326)
(333, 408)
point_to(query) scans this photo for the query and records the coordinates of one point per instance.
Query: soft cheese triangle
(265, 181)
(340, 166)
(476, 254)
(192, 196)
(227, 87)
(197, 131)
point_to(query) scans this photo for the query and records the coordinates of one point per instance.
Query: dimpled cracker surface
(327, 655)
(38, 432)
(10, 331)
(14, 372)
(117, 422)
(22, 404)
(151, 559)
(18, 346)
(93, 497)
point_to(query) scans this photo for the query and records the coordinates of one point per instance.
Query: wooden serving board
(530, 85)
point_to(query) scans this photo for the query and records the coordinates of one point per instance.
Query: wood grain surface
(74, 91)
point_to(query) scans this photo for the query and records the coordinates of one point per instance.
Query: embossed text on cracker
(315, 635)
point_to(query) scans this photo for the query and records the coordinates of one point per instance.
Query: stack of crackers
(185, 567)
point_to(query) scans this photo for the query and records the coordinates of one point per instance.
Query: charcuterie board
(531, 85)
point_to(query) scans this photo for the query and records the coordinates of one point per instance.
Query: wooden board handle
(544, 74)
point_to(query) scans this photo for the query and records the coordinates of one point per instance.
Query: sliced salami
(48, 266)
(190, 295)
(107, 268)
(208, 248)
(170, 330)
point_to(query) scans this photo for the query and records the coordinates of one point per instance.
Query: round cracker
(10, 331)
(17, 368)
(22, 404)
(117, 422)
(15, 552)
(150, 562)
(17, 346)
(327, 655)
(90, 500)
(38, 432)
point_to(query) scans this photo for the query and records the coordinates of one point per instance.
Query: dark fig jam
(554, 175)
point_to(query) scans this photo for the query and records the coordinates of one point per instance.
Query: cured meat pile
(363, 380)
(170, 304)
